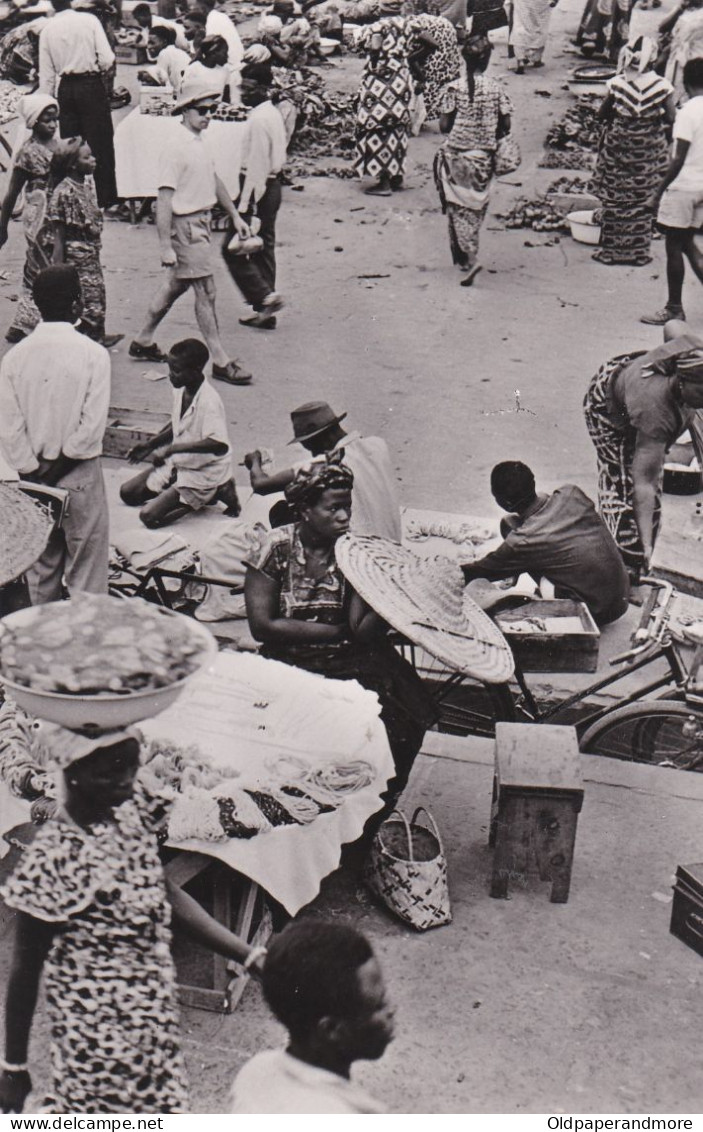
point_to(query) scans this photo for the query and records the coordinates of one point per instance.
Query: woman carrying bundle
(475, 114)
(634, 154)
(93, 913)
(303, 610)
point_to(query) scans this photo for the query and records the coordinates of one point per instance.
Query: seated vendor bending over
(305, 613)
(191, 457)
(559, 537)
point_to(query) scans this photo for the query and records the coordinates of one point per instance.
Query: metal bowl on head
(106, 710)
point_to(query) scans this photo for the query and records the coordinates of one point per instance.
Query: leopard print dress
(109, 976)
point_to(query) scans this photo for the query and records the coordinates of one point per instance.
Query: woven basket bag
(415, 890)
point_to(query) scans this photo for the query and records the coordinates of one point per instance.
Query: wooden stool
(537, 796)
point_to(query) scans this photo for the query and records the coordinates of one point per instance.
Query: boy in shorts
(680, 199)
(191, 458)
(188, 189)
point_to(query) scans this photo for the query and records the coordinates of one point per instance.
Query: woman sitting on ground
(305, 613)
(93, 912)
(77, 225)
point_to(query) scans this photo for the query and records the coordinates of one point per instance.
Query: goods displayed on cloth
(462, 538)
(407, 869)
(99, 660)
(257, 725)
(547, 213)
(425, 601)
(141, 138)
(25, 526)
(572, 142)
(325, 123)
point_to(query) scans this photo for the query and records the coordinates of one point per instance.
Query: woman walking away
(604, 28)
(476, 114)
(383, 118)
(634, 154)
(31, 173)
(93, 911)
(77, 226)
(528, 31)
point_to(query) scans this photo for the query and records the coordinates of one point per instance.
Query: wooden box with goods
(127, 427)
(156, 100)
(552, 636)
(687, 909)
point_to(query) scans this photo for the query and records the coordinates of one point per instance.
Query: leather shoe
(232, 374)
(259, 321)
(150, 353)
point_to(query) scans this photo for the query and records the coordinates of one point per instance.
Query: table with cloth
(257, 725)
(141, 138)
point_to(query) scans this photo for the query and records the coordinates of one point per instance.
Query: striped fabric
(640, 96)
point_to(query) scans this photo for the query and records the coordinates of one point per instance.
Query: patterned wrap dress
(383, 117)
(464, 163)
(604, 28)
(109, 976)
(443, 65)
(34, 160)
(74, 204)
(632, 161)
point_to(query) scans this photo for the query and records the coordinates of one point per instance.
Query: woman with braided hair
(304, 612)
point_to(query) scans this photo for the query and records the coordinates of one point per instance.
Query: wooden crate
(687, 909)
(537, 797)
(553, 651)
(127, 427)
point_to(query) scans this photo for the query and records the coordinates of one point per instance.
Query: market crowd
(90, 892)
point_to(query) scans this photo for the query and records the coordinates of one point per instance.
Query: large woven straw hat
(25, 527)
(424, 599)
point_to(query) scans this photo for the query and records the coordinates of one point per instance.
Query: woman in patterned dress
(476, 114)
(30, 172)
(634, 155)
(604, 28)
(433, 41)
(383, 118)
(77, 225)
(93, 912)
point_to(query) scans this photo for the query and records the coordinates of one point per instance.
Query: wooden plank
(537, 756)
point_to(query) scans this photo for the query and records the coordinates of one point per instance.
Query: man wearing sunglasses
(188, 189)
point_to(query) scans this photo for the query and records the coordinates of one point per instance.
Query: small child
(191, 457)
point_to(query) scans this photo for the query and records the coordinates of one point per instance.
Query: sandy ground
(521, 1006)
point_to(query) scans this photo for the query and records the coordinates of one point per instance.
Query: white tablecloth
(140, 139)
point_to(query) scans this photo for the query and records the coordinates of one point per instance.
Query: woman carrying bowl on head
(305, 613)
(93, 912)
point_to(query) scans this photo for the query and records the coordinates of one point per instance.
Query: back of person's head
(259, 73)
(56, 292)
(60, 5)
(142, 12)
(165, 36)
(693, 74)
(513, 484)
(191, 351)
(310, 973)
(195, 16)
(206, 5)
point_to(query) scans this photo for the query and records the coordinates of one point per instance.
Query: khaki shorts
(680, 208)
(190, 236)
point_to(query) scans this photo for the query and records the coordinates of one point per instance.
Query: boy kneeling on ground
(191, 457)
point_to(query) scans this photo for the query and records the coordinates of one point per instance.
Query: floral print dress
(443, 65)
(74, 204)
(109, 975)
(34, 160)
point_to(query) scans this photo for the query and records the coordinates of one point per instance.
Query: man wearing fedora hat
(375, 504)
(188, 189)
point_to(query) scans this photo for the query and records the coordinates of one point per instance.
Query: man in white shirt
(146, 19)
(324, 984)
(263, 157)
(680, 213)
(219, 23)
(54, 401)
(188, 189)
(375, 504)
(74, 54)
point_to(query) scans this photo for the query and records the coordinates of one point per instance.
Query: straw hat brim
(25, 526)
(425, 601)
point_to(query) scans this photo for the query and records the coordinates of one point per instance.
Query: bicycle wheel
(662, 732)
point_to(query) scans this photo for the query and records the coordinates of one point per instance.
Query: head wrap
(313, 479)
(667, 359)
(64, 747)
(32, 106)
(689, 366)
(257, 53)
(640, 54)
(270, 25)
(64, 158)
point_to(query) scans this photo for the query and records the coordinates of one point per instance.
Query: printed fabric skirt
(615, 450)
(604, 28)
(85, 258)
(632, 161)
(383, 123)
(463, 179)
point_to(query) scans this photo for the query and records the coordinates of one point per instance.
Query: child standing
(191, 457)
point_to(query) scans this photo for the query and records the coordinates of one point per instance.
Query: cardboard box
(573, 649)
